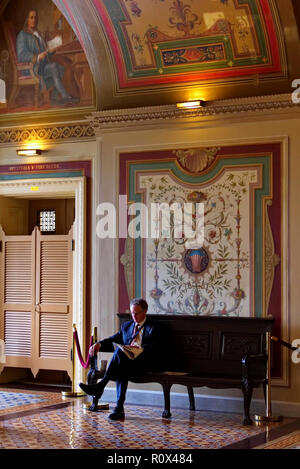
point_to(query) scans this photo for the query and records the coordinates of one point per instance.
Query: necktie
(135, 331)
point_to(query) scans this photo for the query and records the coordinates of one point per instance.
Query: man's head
(31, 21)
(138, 308)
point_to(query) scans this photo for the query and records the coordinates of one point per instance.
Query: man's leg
(118, 368)
(121, 367)
(53, 69)
(121, 386)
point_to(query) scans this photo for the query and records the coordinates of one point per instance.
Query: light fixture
(29, 151)
(191, 104)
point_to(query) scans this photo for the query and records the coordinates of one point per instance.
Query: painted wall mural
(42, 64)
(204, 280)
(155, 41)
(235, 272)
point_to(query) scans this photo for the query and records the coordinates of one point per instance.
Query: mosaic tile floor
(47, 421)
(291, 441)
(15, 401)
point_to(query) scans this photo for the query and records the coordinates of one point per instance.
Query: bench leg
(166, 413)
(247, 389)
(191, 397)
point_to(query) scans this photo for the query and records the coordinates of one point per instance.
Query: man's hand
(42, 55)
(94, 349)
(135, 345)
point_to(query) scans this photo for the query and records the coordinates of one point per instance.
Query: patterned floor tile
(75, 427)
(16, 401)
(47, 420)
(291, 441)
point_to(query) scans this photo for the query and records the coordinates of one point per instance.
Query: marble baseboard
(204, 402)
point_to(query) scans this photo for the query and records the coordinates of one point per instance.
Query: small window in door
(47, 221)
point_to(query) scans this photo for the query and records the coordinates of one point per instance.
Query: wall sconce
(191, 104)
(29, 152)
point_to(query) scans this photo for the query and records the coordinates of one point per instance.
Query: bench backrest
(211, 345)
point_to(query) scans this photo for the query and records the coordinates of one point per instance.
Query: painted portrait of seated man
(32, 48)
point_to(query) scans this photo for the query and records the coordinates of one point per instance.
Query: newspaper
(54, 43)
(130, 351)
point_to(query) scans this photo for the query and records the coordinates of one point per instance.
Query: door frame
(63, 188)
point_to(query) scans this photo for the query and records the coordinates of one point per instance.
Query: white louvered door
(53, 319)
(37, 293)
(17, 295)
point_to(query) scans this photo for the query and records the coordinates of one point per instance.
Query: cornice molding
(122, 119)
(46, 133)
(230, 108)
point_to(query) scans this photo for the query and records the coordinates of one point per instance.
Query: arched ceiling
(147, 52)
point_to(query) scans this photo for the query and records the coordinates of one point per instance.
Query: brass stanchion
(268, 417)
(100, 406)
(73, 393)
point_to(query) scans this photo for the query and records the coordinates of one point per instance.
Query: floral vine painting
(232, 269)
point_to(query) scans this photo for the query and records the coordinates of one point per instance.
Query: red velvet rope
(282, 342)
(83, 363)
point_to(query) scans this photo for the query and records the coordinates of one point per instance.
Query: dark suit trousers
(120, 368)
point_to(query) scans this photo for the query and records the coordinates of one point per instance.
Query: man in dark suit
(141, 333)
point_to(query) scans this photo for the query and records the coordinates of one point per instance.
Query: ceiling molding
(241, 108)
(223, 109)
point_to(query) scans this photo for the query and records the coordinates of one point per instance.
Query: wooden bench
(216, 352)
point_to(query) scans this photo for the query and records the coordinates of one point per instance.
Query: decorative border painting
(238, 269)
(157, 42)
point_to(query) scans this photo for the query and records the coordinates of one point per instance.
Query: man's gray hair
(139, 302)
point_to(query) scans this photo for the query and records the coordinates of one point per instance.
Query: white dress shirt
(137, 341)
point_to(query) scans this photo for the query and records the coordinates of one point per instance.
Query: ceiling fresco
(43, 67)
(175, 41)
(151, 52)
(155, 52)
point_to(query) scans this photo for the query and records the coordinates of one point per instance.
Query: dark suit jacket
(152, 343)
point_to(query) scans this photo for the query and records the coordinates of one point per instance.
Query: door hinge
(73, 244)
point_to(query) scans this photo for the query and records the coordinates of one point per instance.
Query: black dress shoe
(92, 389)
(117, 414)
